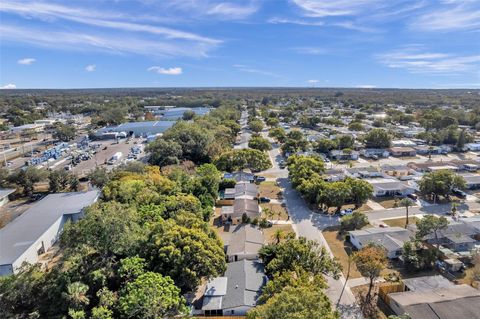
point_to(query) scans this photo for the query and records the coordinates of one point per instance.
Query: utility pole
(348, 273)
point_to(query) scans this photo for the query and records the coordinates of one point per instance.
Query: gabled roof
(240, 286)
(23, 231)
(391, 238)
(245, 239)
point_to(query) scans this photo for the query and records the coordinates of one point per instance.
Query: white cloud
(295, 21)
(232, 11)
(366, 86)
(312, 81)
(248, 69)
(415, 61)
(117, 44)
(113, 31)
(8, 87)
(26, 61)
(464, 16)
(91, 68)
(167, 71)
(310, 50)
(316, 8)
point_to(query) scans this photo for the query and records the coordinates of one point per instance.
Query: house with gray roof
(31, 234)
(458, 236)
(242, 190)
(4, 193)
(390, 238)
(233, 214)
(457, 301)
(245, 242)
(237, 291)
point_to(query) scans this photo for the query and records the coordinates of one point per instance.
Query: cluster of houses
(237, 291)
(458, 242)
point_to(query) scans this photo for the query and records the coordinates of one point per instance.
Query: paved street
(309, 225)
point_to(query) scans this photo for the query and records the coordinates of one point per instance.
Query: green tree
(151, 296)
(27, 178)
(441, 183)
(99, 177)
(76, 295)
(58, 180)
(188, 115)
(298, 253)
(185, 254)
(259, 143)
(360, 190)
(406, 202)
(64, 132)
(357, 220)
(278, 133)
(377, 138)
(304, 167)
(370, 261)
(240, 159)
(431, 224)
(325, 145)
(164, 152)
(256, 126)
(296, 302)
(335, 194)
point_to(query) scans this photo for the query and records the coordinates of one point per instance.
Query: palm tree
(406, 202)
(279, 235)
(77, 294)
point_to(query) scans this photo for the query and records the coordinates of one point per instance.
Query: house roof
(409, 298)
(246, 189)
(240, 176)
(240, 286)
(465, 308)
(245, 239)
(24, 230)
(387, 184)
(391, 238)
(4, 192)
(427, 283)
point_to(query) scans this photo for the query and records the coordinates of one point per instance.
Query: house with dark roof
(458, 236)
(390, 238)
(237, 291)
(240, 176)
(245, 242)
(31, 234)
(241, 190)
(457, 301)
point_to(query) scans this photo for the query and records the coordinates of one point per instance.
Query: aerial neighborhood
(207, 203)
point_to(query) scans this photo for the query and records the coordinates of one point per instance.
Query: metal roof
(4, 192)
(24, 230)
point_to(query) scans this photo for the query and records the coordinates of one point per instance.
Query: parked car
(412, 196)
(260, 178)
(264, 200)
(459, 193)
(347, 211)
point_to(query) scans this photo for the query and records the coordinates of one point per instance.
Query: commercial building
(37, 229)
(143, 129)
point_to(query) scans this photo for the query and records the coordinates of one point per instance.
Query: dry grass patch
(400, 222)
(270, 190)
(388, 202)
(338, 245)
(269, 233)
(278, 212)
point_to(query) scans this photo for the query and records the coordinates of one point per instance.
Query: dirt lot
(12, 210)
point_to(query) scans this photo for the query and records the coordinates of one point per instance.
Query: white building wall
(48, 238)
(237, 311)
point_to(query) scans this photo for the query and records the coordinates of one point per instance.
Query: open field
(277, 211)
(400, 222)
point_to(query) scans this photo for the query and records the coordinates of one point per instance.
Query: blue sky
(204, 43)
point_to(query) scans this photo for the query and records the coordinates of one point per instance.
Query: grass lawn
(400, 222)
(337, 245)
(279, 212)
(270, 190)
(269, 233)
(387, 202)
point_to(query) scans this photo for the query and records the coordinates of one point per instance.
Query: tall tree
(431, 224)
(370, 261)
(406, 202)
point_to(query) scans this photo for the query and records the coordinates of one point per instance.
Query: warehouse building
(37, 229)
(143, 129)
